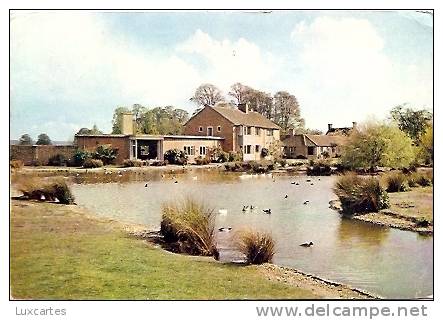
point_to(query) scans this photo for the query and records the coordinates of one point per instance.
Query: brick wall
(121, 143)
(40, 153)
(211, 118)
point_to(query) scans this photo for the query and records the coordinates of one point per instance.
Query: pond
(388, 262)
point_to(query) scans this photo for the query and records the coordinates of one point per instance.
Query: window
(310, 151)
(202, 150)
(218, 128)
(269, 132)
(210, 131)
(200, 129)
(257, 148)
(189, 150)
(257, 131)
(249, 130)
(248, 149)
(245, 131)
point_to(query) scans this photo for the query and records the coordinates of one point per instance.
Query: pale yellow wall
(127, 123)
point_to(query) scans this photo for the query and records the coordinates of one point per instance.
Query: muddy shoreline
(292, 277)
(387, 218)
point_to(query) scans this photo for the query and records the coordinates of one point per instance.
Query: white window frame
(200, 129)
(204, 149)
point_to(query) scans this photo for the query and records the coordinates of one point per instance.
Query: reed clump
(47, 190)
(396, 182)
(258, 247)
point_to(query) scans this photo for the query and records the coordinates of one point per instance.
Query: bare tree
(287, 111)
(207, 94)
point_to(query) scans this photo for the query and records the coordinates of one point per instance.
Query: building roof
(337, 131)
(327, 140)
(251, 118)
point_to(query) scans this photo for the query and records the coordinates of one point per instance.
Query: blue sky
(72, 69)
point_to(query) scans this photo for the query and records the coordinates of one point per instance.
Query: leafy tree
(94, 130)
(378, 144)
(412, 122)
(105, 153)
(207, 94)
(25, 140)
(426, 145)
(287, 111)
(43, 139)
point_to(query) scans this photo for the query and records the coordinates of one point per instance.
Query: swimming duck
(146, 185)
(267, 211)
(293, 182)
(286, 196)
(306, 202)
(306, 244)
(175, 181)
(224, 229)
(244, 208)
(308, 180)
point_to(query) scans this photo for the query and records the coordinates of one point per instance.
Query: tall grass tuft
(190, 226)
(358, 194)
(258, 247)
(396, 182)
(50, 190)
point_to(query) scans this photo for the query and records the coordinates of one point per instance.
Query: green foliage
(319, 168)
(426, 146)
(94, 130)
(105, 153)
(264, 152)
(92, 163)
(80, 156)
(175, 156)
(412, 122)
(202, 160)
(396, 182)
(43, 139)
(190, 227)
(261, 166)
(57, 160)
(25, 140)
(132, 163)
(378, 144)
(358, 194)
(258, 247)
(234, 156)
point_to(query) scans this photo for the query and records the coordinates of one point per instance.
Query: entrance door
(210, 131)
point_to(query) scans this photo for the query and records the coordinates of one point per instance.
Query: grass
(58, 253)
(258, 247)
(416, 203)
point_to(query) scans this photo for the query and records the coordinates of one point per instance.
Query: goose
(306, 244)
(267, 211)
(224, 229)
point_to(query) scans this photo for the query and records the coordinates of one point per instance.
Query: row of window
(247, 131)
(190, 150)
(209, 130)
(247, 149)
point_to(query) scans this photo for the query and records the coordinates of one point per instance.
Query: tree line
(42, 139)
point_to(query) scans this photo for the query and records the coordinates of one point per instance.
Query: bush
(132, 163)
(358, 194)
(202, 161)
(264, 152)
(234, 156)
(258, 247)
(37, 163)
(57, 160)
(175, 156)
(16, 164)
(222, 156)
(189, 225)
(159, 163)
(50, 190)
(319, 168)
(80, 156)
(92, 163)
(397, 182)
(105, 153)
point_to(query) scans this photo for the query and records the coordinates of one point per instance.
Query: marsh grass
(132, 163)
(49, 190)
(93, 163)
(258, 247)
(189, 226)
(396, 182)
(358, 194)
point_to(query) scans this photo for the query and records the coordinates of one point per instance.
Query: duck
(244, 208)
(306, 244)
(286, 196)
(312, 184)
(293, 182)
(146, 185)
(175, 181)
(224, 229)
(308, 180)
(306, 202)
(223, 212)
(267, 211)
(297, 184)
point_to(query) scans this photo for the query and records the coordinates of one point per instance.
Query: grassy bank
(58, 252)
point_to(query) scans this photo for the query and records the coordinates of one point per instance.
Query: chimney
(127, 123)
(329, 126)
(292, 132)
(354, 124)
(243, 107)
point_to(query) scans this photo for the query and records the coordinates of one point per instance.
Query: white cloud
(228, 62)
(344, 67)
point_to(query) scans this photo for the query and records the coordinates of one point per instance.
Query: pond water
(388, 262)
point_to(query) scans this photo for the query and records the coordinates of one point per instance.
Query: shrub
(222, 156)
(319, 168)
(57, 160)
(49, 189)
(258, 247)
(105, 153)
(37, 163)
(16, 164)
(190, 225)
(234, 156)
(396, 182)
(132, 163)
(92, 163)
(425, 179)
(159, 163)
(80, 156)
(175, 156)
(202, 161)
(358, 194)
(422, 223)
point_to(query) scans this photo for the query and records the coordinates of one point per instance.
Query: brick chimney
(243, 107)
(354, 124)
(329, 126)
(127, 123)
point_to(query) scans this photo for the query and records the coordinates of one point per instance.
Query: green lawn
(415, 203)
(58, 253)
